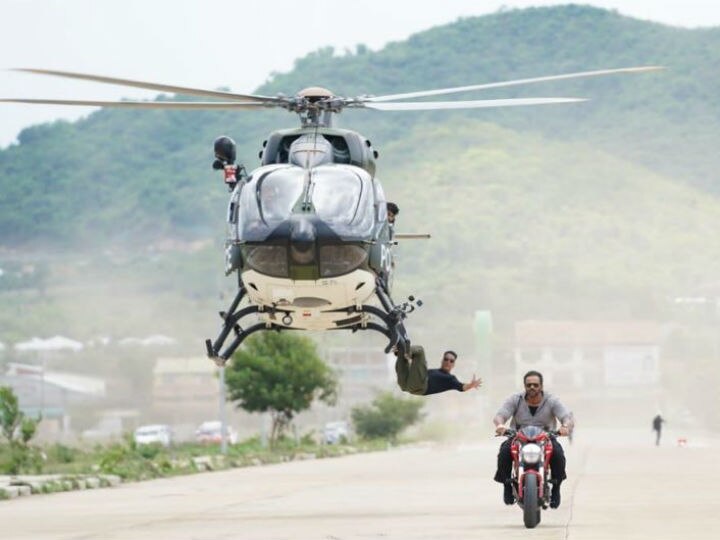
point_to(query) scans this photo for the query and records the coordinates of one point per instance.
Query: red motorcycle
(531, 450)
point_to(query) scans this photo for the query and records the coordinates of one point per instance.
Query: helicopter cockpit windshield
(342, 198)
(277, 193)
(267, 201)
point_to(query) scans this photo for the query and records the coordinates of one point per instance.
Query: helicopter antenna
(315, 140)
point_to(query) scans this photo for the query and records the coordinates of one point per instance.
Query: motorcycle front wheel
(531, 508)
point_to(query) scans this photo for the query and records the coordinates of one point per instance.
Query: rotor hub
(315, 93)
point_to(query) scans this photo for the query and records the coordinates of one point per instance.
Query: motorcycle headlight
(268, 260)
(531, 453)
(338, 260)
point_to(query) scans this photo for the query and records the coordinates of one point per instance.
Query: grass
(132, 462)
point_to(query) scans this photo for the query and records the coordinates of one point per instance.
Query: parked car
(335, 432)
(155, 433)
(210, 432)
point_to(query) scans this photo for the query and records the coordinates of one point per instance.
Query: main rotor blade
(153, 86)
(146, 104)
(441, 91)
(478, 104)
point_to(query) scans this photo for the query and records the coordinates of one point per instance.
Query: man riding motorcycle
(533, 407)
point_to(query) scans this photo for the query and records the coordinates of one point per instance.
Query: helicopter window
(343, 199)
(277, 194)
(232, 217)
(340, 150)
(270, 260)
(380, 202)
(336, 197)
(283, 151)
(234, 205)
(267, 200)
(233, 212)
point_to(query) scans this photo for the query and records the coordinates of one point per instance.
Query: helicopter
(308, 230)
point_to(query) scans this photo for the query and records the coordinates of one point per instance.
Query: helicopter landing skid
(394, 317)
(390, 323)
(391, 319)
(231, 320)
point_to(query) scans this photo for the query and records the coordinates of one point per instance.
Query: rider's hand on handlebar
(500, 430)
(563, 431)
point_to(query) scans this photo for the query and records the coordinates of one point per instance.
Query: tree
(17, 430)
(281, 373)
(386, 416)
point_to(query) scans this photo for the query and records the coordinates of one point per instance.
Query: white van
(155, 433)
(335, 432)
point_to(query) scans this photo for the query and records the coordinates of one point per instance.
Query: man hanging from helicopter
(414, 377)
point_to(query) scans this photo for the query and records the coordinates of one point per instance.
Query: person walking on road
(657, 427)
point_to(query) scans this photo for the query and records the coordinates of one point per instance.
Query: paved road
(616, 491)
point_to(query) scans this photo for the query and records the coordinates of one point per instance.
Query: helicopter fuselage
(323, 304)
(310, 242)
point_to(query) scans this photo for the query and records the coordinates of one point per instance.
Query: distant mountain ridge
(122, 174)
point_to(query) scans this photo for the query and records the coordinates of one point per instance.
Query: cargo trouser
(412, 376)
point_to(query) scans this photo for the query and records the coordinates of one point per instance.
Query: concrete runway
(616, 490)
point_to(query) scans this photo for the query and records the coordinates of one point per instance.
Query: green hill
(120, 174)
(527, 228)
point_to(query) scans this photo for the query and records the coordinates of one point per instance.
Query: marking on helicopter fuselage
(385, 257)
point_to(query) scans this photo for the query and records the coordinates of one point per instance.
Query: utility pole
(223, 419)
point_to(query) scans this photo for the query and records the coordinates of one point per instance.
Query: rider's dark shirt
(533, 409)
(440, 381)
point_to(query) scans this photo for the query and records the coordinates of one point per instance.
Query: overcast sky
(211, 43)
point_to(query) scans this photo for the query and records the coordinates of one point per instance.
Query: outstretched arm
(474, 383)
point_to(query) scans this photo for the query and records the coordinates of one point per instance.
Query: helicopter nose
(302, 241)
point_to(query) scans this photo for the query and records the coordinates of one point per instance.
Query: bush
(59, 453)
(134, 462)
(386, 416)
(149, 451)
(17, 430)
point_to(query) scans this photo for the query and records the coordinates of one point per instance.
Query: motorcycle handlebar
(510, 433)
